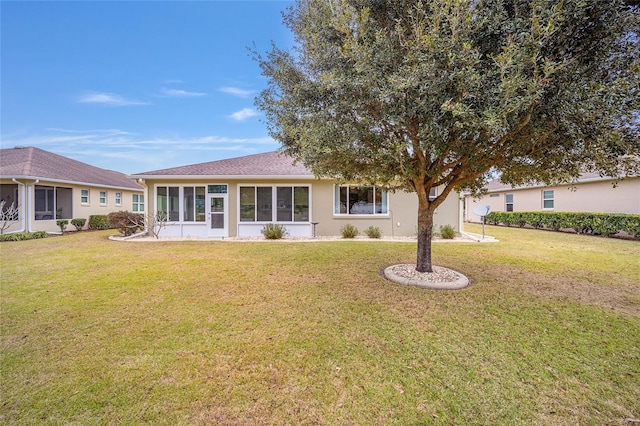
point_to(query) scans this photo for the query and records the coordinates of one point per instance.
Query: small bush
(24, 236)
(62, 223)
(373, 232)
(126, 222)
(273, 231)
(98, 221)
(349, 231)
(78, 223)
(447, 232)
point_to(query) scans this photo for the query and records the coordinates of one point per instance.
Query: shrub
(78, 223)
(447, 232)
(126, 222)
(98, 221)
(62, 223)
(24, 236)
(273, 231)
(607, 224)
(373, 232)
(349, 231)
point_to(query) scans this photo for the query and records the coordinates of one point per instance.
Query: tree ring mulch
(441, 278)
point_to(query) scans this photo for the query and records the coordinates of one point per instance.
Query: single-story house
(591, 193)
(46, 187)
(236, 197)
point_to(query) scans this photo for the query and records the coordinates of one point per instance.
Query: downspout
(24, 203)
(35, 182)
(142, 183)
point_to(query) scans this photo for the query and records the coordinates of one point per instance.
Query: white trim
(552, 199)
(274, 199)
(88, 202)
(360, 215)
(226, 177)
(72, 182)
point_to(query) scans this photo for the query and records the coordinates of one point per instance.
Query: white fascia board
(542, 185)
(71, 182)
(224, 177)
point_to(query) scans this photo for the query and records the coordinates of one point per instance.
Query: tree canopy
(444, 93)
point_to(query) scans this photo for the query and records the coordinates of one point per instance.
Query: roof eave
(226, 177)
(70, 182)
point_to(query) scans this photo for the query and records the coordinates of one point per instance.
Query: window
(217, 189)
(301, 204)
(118, 198)
(257, 203)
(103, 198)
(193, 202)
(360, 200)
(168, 202)
(432, 194)
(84, 196)
(53, 203)
(508, 202)
(138, 203)
(547, 199)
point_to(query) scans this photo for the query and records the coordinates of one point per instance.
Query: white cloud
(243, 114)
(180, 93)
(127, 152)
(236, 91)
(108, 99)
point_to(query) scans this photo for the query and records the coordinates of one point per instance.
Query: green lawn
(271, 333)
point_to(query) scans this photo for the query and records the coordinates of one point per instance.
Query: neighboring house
(238, 196)
(591, 193)
(46, 186)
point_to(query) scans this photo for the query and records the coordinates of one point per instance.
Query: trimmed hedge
(98, 221)
(24, 236)
(607, 224)
(78, 223)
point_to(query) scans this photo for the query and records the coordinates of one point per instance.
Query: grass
(271, 333)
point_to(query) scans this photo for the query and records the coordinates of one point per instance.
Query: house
(591, 193)
(46, 186)
(236, 197)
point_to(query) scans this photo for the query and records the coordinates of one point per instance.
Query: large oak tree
(420, 94)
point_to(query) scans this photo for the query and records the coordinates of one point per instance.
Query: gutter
(70, 182)
(217, 178)
(25, 202)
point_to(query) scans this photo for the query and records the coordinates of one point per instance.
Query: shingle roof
(267, 164)
(497, 185)
(31, 162)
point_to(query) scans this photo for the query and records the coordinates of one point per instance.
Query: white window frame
(83, 197)
(384, 201)
(546, 199)
(136, 204)
(103, 198)
(118, 198)
(507, 203)
(181, 203)
(195, 204)
(274, 203)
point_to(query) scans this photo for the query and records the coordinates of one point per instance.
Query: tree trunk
(425, 231)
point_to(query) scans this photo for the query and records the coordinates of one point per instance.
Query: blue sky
(136, 86)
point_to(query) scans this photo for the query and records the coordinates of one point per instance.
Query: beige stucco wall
(401, 220)
(595, 196)
(79, 210)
